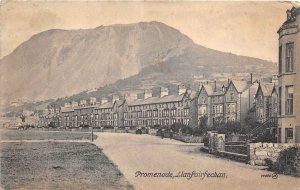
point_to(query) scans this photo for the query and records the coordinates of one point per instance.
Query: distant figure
(162, 133)
(171, 134)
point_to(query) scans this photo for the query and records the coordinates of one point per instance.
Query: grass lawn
(58, 165)
(43, 135)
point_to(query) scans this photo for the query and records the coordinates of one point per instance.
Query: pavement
(149, 162)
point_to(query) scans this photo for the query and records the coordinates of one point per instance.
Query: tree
(203, 121)
(51, 125)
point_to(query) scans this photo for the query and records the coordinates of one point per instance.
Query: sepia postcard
(149, 95)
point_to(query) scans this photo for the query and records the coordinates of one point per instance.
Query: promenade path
(149, 154)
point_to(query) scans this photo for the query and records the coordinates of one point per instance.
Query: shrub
(198, 131)
(288, 162)
(269, 163)
(205, 141)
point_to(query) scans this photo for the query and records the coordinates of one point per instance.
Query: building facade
(266, 102)
(288, 78)
(229, 103)
(163, 110)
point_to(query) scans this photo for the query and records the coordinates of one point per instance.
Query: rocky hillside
(58, 63)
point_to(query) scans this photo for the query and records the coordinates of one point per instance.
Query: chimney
(131, 96)
(104, 100)
(92, 100)
(115, 97)
(181, 89)
(82, 102)
(251, 78)
(67, 105)
(223, 88)
(275, 80)
(147, 93)
(164, 91)
(74, 104)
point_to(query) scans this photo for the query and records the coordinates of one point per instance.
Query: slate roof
(218, 93)
(193, 94)
(110, 104)
(267, 89)
(208, 88)
(106, 105)
(67, 109)
(153, 100)
(240, 85)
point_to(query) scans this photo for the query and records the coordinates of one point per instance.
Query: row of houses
(212, 103)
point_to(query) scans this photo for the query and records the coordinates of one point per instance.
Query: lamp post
(92, 133)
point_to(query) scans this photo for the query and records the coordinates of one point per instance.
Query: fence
(252, 153)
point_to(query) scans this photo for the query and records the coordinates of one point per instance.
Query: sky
(243, 28)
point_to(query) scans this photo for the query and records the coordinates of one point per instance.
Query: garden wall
(188, 139)
(258, 152)
(239, 147)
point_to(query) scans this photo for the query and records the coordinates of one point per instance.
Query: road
(150, 154)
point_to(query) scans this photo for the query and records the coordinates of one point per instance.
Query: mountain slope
(59, 63)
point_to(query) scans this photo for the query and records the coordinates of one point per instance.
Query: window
(221, 108)
(186, 112)
(280, 60)
(202, 109)
(165, 113)
(231, 96)
(173, 112)
(289, 133)
(261, 112)
(149, 113)
(289, 57)
(260, 99)
(274, 104)
(220, 99)
(279, 100)
(155, 113)
(289, 100)
(233, 108)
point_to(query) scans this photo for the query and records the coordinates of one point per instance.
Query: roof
(218, 93)
(153, 100)
(67, 109)
(193, 94)
(106, 105)
(267, 89)
(240, 85)
(208, 88)
(210, 91)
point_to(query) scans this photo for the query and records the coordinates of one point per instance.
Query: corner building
(289, 78)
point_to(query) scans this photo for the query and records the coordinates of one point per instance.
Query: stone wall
(188, 139)
(258, 152)
(239, 147)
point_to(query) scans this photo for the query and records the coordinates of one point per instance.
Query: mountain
(58, 63)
